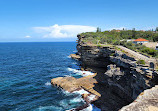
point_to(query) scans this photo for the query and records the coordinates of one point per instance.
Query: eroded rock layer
(72, 84)
(122, 79)
(146, 101)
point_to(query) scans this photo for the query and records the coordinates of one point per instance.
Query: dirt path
(137, 55)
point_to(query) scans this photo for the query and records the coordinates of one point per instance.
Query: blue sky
(61, 20)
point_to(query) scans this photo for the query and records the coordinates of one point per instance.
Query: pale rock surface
(146, 101)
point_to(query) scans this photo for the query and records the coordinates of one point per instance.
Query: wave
(76, 100)
(47, 83)
(79, 99)
(89, 108)
(74, 51)
(79, 72)
(91, 97)
(67, 93)
(53, 108)
(82, 91)
(79, 92)
(67, 76)
(68, 57)
(74, 63)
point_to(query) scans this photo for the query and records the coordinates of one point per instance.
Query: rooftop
(140, 39)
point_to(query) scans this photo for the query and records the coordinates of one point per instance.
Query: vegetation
(119, 37)
(142, 62)
(156, 29)
(99, 45)
(140, 48)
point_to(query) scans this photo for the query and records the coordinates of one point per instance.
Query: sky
(62, 20)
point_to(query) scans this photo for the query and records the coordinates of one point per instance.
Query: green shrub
(141, 62)
(99, 45)
(112, 54)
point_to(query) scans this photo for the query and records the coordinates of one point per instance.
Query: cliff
(120, 79)
(146, 101)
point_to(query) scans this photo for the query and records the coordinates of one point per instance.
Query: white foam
(64, 103)
(79, 72)
(47, 83)
(76, 100)
(68, 56)
(67, 76)
(91, 97)
(44, 108)
(66, 92)
(89, 108)
(73, 109)
(82, 91)
(74, 51)
(74, 63)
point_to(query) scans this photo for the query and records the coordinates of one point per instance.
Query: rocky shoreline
(119, 79)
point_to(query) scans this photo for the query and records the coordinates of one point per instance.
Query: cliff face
(146, 101)
(120, 79)
(94, 56)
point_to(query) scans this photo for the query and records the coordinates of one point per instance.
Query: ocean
(26, 70)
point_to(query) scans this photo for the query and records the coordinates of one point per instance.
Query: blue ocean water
(25, 73)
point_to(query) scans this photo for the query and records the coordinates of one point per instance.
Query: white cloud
(63, 31)
(27, 36)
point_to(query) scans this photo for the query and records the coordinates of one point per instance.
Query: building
(140, 41)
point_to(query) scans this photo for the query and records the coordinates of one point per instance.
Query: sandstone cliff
(119, 79)
(146, 101)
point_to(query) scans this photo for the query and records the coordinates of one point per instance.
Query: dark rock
(146, 101)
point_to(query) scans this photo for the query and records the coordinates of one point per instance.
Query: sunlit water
(25, 73)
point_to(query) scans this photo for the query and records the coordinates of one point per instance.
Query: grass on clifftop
(114, 37)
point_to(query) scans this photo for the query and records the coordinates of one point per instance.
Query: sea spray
(91, 97)
(79, 72)
(89, 108)
(68, 56)
(82, 91)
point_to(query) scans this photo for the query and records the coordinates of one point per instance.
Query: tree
(133, 33)
(152, 30)
(98, 29)
(133, 29)
(156, 29)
